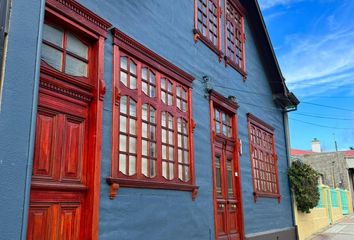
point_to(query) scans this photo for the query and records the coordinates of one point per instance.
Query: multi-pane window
(64, 52)
(263, 158)
(234, 36)
(223, 124)
(207, 23)
(154, 134)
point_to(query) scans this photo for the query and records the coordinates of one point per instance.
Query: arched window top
(148, 78)
(128, 74)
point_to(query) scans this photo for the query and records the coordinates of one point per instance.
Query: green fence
(334, 198)
(344, 202)
(320, 203)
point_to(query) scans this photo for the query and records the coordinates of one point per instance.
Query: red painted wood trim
(266, 127)
(223, 102)
(238, 6)
(199, 36)
(149, 57)
(217, 100)
(136, 183)
(260, 123)
(81, 15)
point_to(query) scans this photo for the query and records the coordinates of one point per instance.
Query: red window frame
(125, 46)
(263, 158)
(199, 16)
(235, 37)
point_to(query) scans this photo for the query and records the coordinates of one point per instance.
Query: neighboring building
(336, 168)
(128, 121)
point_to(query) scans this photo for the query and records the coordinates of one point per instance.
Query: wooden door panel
(38, 218)
(74, 142)
(221, 223)
(69, 221)
(43, 163)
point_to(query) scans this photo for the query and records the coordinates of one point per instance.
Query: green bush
(304, 180)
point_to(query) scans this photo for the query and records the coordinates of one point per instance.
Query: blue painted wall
(17, 114)
(166, 28)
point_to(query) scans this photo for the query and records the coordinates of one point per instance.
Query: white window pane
(123, 78)
(170, 137)
(163, 119)
(164, 152)
(122, 143)
(163, 82)
(132, 128)
(152, 115)
(75, 67)
(74, 45)
(123, 104)
(163, 97)
(123, 63)
(144, 166)
(123, 124)
(184, 95)
(180, 156)
(122, 163)
(133, 68)
(180, 171)
(52, 57)
(169, 87)
(178, 103)
(152, 91)
(164, 136)
(171, 171)
(186, 174)
(152, 78)
(132, 145)
(185, 142)
(170, 122)
(144, 130)
(186, 157)
(144, 73)
(170, 153)
(132, 108)
(164, 169)
(53, 35)
(132, 82)
(179, 140)
(132, 165)
(144, 148)
(144, 112)
(184, 106)
(144, 88)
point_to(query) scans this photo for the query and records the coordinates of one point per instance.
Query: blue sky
(314, 44)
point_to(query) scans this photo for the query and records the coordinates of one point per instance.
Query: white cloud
(320, 61)
(265, 4)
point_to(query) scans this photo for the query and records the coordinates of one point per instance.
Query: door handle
(221, 205)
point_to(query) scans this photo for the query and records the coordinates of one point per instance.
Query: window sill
(199, 36)
(236, 67)
(116, 183)
(266, 195)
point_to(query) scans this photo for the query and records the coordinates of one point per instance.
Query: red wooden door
(226, 202)
(58, 189)
(64, 162)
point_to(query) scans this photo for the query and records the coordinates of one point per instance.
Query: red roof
(349, 153)
(298, 152)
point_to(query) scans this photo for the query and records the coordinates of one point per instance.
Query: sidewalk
(344, 230)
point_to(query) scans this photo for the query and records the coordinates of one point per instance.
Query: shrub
(303, 181)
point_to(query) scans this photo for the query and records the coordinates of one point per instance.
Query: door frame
(229, 106)
(81, 20)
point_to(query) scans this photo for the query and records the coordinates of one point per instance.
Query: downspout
(33, 125)
(287, 142)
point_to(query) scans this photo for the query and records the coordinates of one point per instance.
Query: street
(344, 230)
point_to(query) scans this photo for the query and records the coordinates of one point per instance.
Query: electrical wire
(319, 125)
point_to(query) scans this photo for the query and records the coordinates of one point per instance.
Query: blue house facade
(143, 120)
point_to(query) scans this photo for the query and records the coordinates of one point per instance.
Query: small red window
(263, 158)
(235, 36)
(207, 24)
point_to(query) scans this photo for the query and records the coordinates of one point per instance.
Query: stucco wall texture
(166, 28)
